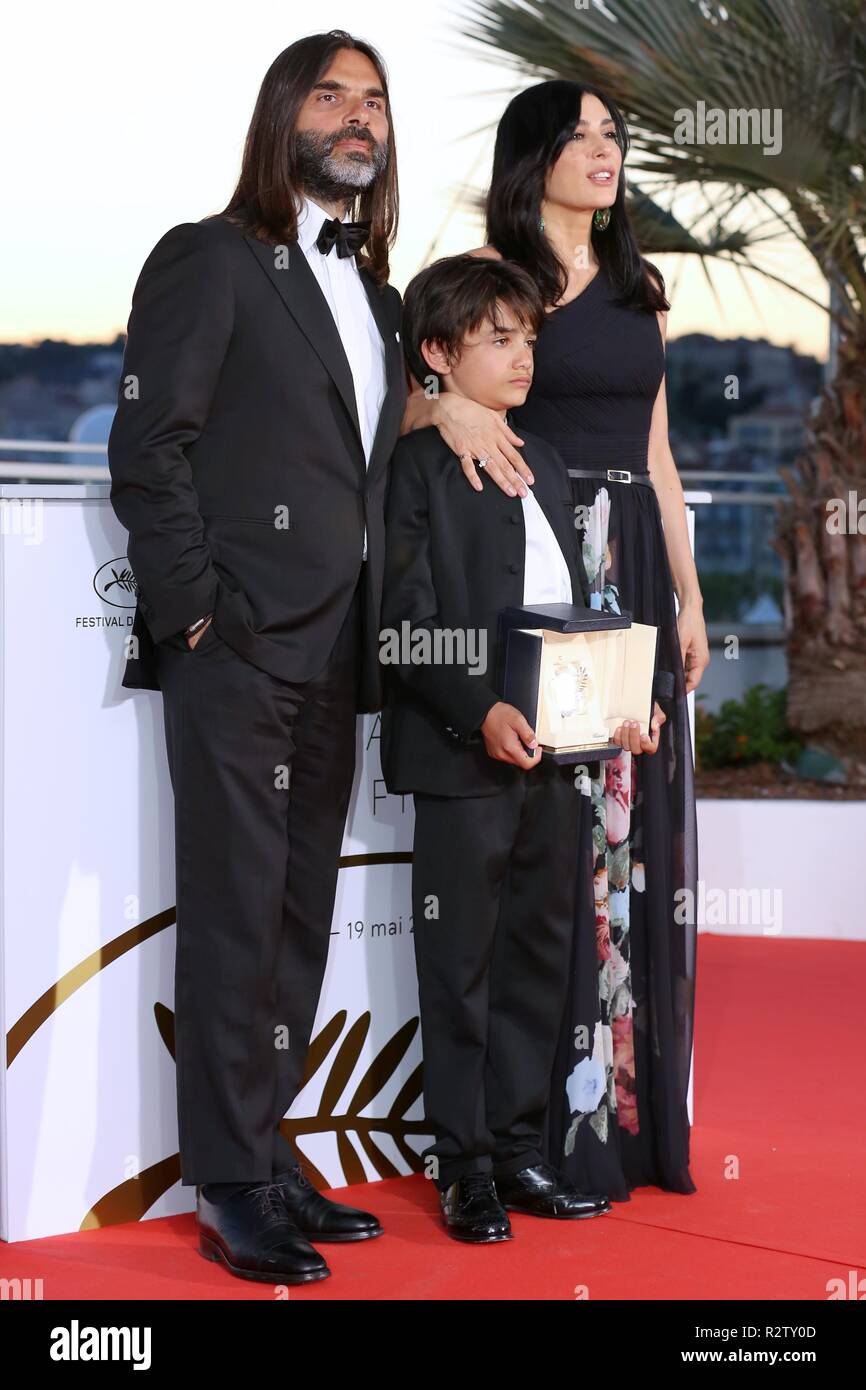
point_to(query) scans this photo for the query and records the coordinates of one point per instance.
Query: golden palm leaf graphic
(131, 1199)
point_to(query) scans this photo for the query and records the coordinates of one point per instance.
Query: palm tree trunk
(821, 536)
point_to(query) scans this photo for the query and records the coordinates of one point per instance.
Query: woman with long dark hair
(556, 206)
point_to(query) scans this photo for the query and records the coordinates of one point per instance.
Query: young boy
(495, 850)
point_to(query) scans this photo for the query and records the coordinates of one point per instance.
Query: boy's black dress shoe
(472, 1211)
(540, 1191)
(255, 1237)
(318, 1217)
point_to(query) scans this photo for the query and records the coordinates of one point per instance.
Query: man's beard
(337, 175)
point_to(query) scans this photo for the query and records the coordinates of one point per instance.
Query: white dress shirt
(340, 283)
(545, 574)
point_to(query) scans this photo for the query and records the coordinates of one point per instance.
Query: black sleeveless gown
(618, 1115)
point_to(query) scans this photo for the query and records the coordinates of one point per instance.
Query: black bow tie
(348, 236)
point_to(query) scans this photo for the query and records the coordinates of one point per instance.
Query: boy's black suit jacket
(236, 400)
(454, 558)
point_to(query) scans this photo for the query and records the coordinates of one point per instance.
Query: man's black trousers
(262, 773)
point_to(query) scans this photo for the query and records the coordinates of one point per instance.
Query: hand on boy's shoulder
(429, 452)
(426, 450)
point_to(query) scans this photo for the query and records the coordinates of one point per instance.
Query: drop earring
(541, 224)
(601, 218)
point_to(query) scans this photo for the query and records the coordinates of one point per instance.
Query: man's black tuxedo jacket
(454, 558)
(236, 407)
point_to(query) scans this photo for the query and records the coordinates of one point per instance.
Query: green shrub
(751, 730)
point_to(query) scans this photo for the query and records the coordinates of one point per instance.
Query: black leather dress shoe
(472, 1211)
(255, 1237)
(540, 1191)
(318, 1217)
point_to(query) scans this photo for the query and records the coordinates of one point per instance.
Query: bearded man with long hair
(260, 401)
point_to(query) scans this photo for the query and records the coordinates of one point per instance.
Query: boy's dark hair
(452, 298)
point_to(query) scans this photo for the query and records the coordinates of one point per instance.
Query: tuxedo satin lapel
(393, 366)
(299, 290)
(393, 350)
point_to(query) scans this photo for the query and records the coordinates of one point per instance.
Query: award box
(575, 674)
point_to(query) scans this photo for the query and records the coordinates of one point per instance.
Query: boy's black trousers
(493, 886)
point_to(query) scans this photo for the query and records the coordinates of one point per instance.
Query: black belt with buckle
(612, 475)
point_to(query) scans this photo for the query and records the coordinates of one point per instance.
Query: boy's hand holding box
(576, 675)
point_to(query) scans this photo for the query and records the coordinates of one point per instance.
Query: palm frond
(799, 65)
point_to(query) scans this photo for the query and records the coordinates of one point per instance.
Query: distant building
(775, 432)
(711, 382)
(45, 388)
(738, 410)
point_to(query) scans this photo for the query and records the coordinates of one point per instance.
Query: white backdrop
(88, 1092)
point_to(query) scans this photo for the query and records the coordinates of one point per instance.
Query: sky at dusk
(122, 120)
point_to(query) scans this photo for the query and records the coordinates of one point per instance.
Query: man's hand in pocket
(197, 636)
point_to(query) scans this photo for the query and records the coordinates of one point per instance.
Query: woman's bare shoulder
(489, 251)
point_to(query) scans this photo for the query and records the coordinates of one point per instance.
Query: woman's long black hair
(534, 129)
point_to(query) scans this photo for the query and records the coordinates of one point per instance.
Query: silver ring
(482, 463)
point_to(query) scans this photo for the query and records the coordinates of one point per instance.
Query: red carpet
(780, 1056)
